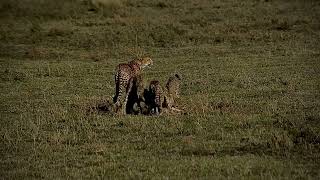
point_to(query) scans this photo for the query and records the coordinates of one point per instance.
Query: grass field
(251, 89)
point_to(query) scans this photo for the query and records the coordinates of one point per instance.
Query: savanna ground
(251, 80)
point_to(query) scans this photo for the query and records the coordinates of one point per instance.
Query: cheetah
(136, 100)
(172, 93)
(155, 95)
(163, 100)
(125, 77)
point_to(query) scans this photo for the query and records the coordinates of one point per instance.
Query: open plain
(250, 89)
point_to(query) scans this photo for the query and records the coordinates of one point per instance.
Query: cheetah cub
(163, 100)
(172, 93)
(156, 94)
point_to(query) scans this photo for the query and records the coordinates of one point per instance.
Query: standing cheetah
(135, 102)
(125, 76)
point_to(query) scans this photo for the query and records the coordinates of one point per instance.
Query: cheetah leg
(170, 102)
(175, 109)
(157, 110)
(118, 92)
(158, 105)
(129, 88)
(119, 100)
(116, 96)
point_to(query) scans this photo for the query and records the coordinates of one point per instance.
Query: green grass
(251, 89)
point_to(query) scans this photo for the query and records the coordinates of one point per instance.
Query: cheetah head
(145, 62)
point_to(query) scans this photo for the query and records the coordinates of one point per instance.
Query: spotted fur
(156, 92)
(125, 77)
(172, 92)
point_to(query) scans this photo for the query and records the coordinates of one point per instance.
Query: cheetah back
(173, 86)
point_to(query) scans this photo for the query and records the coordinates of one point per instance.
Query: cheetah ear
(177, 76)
